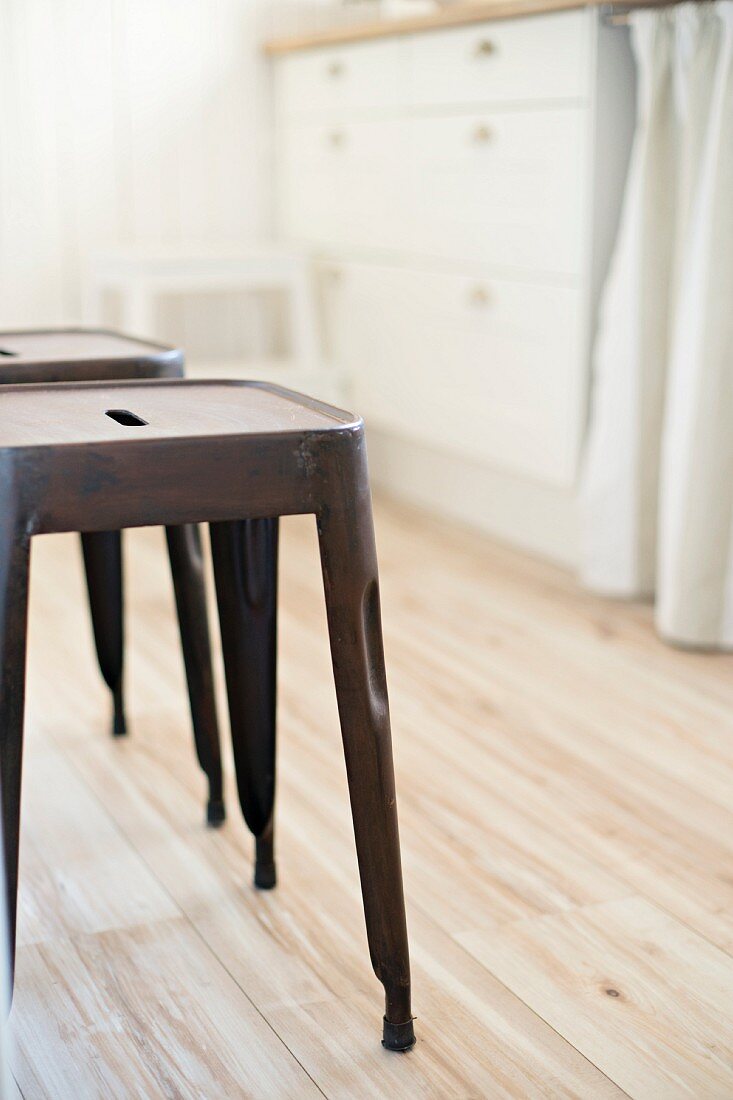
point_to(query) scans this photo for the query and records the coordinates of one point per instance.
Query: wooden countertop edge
(452, 15)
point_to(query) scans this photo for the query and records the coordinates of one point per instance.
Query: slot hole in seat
(8, 354)
(124, 416)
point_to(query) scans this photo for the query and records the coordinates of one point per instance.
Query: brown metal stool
(83, 355)
(98, 457)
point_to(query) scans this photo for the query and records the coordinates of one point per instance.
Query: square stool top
(68, 355)
(125, 412)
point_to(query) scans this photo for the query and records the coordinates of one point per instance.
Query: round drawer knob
(482, 135)
(336, 69)
(485, 48)
(337, 139)
(479, 296)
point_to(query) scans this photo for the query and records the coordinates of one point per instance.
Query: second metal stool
(87, 355)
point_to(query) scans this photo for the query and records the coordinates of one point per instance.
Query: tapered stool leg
(187, 567)
(245, 567)
(349, 562)
(14, 563)
(103, 566)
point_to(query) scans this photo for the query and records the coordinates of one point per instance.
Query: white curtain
(657, 485)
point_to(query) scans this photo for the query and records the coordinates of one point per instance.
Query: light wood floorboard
(566, 796)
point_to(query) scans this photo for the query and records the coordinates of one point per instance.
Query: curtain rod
(617, 15)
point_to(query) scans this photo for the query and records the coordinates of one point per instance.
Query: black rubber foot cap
(265, 876)
(398, 1036)
(215, 813)
(119, 725)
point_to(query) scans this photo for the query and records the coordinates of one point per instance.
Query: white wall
(124, 121)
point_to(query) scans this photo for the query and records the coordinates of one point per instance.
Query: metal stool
(80, 355)
(98, 457)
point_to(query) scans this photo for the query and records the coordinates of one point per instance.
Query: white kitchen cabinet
(459, 188)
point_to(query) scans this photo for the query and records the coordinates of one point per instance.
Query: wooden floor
(566, 798)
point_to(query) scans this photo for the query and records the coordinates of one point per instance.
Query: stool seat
(133, 412)
(62, 355)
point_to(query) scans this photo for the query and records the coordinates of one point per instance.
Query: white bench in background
(140, 276)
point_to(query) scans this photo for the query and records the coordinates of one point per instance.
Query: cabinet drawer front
(341, 184)
(338, 79)
(537, 58)
(489, 369)
(506, 188)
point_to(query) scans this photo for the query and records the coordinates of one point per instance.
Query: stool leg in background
(103, 566)
(187, 567)
(245, 567)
